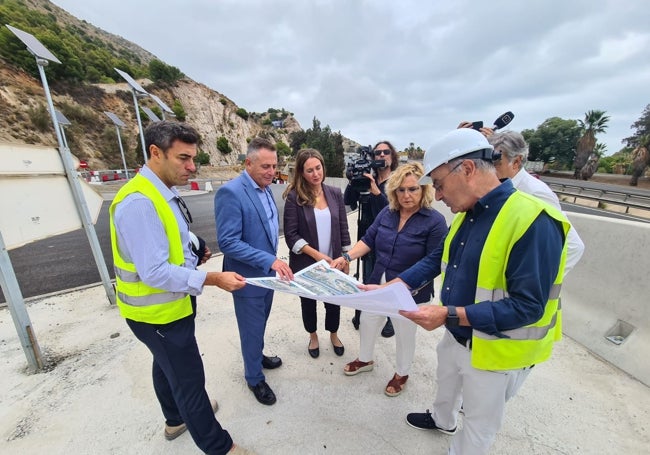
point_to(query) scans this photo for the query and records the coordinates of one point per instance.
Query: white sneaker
(172, 432)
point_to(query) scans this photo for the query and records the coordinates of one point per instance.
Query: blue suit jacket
(244, 234)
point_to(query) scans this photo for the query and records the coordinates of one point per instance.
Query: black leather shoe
(339, 350)
(356, 319)
(314, 353)
(263, 393)
(388, 330)
(271, 362)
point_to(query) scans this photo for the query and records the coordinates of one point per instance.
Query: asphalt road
(66, 261)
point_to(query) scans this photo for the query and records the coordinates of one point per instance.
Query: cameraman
(370, 203)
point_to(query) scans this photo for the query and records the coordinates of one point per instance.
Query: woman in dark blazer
(315, 228)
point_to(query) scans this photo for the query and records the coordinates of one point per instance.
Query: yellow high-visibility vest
(137, 300)
(526, 345)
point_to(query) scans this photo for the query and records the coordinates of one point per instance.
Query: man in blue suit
(247, 232)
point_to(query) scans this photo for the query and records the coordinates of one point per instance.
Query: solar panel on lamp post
(138, 92)
(163, 107)
(118, 123)
(19, 314)
(152, 116)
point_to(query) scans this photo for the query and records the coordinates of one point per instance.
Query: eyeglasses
(437, 184)
(184, 210)
(385, 152)
(410, 190)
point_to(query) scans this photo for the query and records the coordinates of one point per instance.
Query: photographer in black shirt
(370, 199)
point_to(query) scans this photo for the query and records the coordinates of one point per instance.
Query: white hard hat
(455, 144)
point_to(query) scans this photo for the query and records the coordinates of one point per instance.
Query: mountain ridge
(92, 137)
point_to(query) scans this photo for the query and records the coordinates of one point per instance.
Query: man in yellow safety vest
(501, 264)
(157, 281)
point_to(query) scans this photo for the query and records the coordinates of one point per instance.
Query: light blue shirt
(266, 198)
(142, 240)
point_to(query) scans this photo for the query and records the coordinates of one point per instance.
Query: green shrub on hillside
(223, 145)
(283, 149)
(40, 118)
(83, 57)
(242, 113)
(202, 158)
(78, 114)
(161, 72)
(179, 112)
(156, 110)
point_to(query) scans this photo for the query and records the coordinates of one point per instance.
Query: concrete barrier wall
(607, 293)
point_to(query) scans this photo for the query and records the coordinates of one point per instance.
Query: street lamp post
(63, 122)
(138, 92)
(43, 56)
(118, 123)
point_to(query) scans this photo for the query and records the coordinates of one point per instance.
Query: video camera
(364, 165)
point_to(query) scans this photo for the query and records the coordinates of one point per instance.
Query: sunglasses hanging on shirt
(184, 210)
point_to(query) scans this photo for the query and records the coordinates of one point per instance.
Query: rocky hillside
(92, 137)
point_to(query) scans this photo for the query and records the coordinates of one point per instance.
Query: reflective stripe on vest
(497, 294)
(137, 300)
(126, 275)
(151, 299)
(533, 343)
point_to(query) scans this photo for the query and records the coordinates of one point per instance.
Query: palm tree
(595, 122)
(640, 159)
(600, 149)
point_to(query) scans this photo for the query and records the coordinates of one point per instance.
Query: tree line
(87, 56)
(572, 144)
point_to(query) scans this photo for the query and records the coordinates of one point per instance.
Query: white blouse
(324, 230)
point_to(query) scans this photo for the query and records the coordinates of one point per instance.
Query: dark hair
(303, 194)
(163, 134)
(257, 144)
(394, 159)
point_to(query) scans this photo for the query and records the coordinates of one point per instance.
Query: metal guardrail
(606, 196)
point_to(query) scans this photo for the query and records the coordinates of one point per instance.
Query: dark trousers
(309, 316)
(179, 381)
(252, 314)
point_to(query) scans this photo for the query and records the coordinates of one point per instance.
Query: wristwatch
(347, 257)
(452, 317)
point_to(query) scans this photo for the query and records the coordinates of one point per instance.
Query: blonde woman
(402, 234)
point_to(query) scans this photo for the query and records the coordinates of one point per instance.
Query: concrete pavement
(99, 399)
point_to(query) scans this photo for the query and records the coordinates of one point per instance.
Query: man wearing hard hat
(502, 265)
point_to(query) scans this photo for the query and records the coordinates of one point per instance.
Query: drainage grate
(619, 333)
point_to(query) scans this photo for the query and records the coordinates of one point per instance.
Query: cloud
(408, 70)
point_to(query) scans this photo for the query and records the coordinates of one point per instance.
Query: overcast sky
(402, 70)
